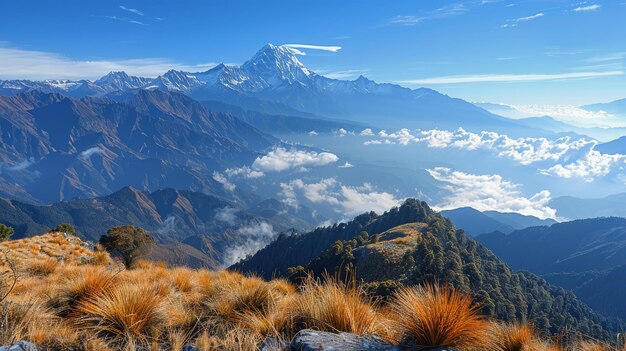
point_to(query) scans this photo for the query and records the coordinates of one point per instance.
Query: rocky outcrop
(19, 346)
(311, 340)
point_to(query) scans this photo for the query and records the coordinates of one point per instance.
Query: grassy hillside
(93, 304)
(413, 245)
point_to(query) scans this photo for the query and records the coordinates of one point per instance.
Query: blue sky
(510, 51)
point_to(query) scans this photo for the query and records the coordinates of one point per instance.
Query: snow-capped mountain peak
(176, 81)
(119, 80)
(276, 65)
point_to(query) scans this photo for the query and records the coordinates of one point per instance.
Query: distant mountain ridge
(579, 208)
(617, 146)
(275, 81)
(53, 147)
(581, 255)
(617, 107)
(190, 224)
(475, 222)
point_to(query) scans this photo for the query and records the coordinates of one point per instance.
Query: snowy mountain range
(275, 81)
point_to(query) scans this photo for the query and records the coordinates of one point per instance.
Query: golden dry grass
(335, 307)
(431, 316)
(123, 315)
(68, 303)
(515, 337)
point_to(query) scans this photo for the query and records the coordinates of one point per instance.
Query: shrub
(128, 242)
(5, 232)
(65, 228)
(431, 316)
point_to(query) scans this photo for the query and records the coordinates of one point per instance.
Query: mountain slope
(54, 147)
(617, 107)
(282, 123)
(195, 227)
(577, 246)
(577, 208)
(475, 222)
(586, 256)
(605, 292)
(617, 146)
(413, 244)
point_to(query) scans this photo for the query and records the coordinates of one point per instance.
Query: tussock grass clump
(81, 285)
(123, 315)
(431, 316)
(592, 346)
(335, 307)
(44, 266)
(515, 337)
(36, 323)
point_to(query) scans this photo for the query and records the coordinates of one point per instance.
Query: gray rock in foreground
(311, 340)
(19, 346)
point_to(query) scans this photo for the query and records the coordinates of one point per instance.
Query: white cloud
(29, 64)
(131, 10)
(16, 167)
(406, 20)
(244, 171)
(313, 133)
(489, 192)
(439, 13)
(257, 236)
(85, 155)
(281, 159)
(528, 18)
(331, 48)
(588, 8)
(571, 114)
(592, 165)
(342, 74)
(348, 200)
(508, 78)
(347, 165)
(227, 215)
(168, 227)
(403, 136)
(564, 157)
(315, 192)
(357, 200)
(516, 21)
(126, 19)
(366, 132)
(220, 178)
(372, 142)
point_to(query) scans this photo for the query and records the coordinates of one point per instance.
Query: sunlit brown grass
(515, 337)
(592, 346)
(123, 315)
(432, 316)
(81, 285)
(335, 307)
(43, 266)
(70, 298)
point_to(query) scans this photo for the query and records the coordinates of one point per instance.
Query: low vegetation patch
(61, 302)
